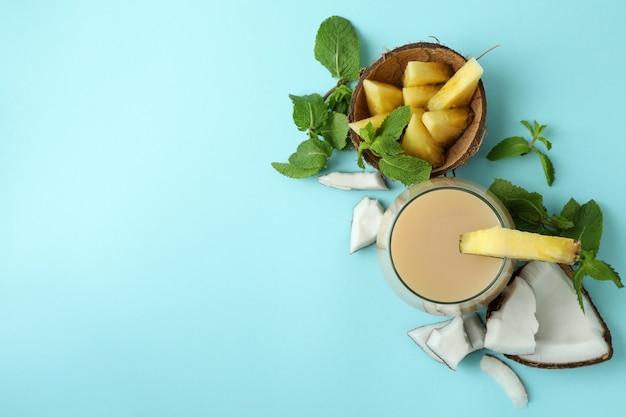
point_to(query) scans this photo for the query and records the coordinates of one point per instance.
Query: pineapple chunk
(446, 126)
(420, 73)
(418, 142)
(418, 95)
(375, 120)
(459, 89)
(382, 97)
(500, 242)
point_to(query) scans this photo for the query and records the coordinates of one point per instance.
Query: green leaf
(513, 146)
(310, 157)
(335, 131)
(309, 112)
(528, 126)
(525, 207)
(386, 145)
(339, 99)
(537, 129)
(588, 223)
(560, 222)
(368, 133)
(577, 280)
(359, 159)
(602, 271)
(596, 269)
(295, 171)
(394, 124)
(312, 153)
(404, 168)
(570, 209)
(545, 141)
(546, 163)
(337, 47)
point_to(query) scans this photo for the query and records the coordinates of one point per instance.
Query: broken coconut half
(567, 337)
(506, 378)
(366, 218)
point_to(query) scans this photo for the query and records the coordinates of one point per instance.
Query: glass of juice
(418, 246)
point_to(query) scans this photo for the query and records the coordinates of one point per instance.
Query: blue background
(152, 263)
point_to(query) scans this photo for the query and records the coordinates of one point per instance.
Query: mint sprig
(324, 118)
(583, 222)
(384, 143)
(518, 146)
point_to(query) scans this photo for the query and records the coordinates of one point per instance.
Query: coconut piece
(567, 336)
(450, 342)
(475, 330)
(421, 334)
(360, 180)
(506, 378)
(472, 324)
(512, 327)
(366, 218)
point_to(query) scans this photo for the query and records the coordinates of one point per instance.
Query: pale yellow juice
(424, 245)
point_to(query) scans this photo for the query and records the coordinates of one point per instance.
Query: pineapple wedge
(418, 142)
(382, 97)
(459, 89)
(418, 95)
(446, 126)
(501, 242)
(420, 73)
(375, 120)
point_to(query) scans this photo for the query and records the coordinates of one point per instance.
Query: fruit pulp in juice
(424, 245)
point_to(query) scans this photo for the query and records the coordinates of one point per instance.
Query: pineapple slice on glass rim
(501, 242)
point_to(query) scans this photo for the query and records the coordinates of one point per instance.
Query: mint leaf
(602, 271)
(404, 168)
(368, 133)
(513, 146)
(570, 209)
(525, 207)
(309, 112)
(560, 222)
(386, 145)
(587, 228)
(395, 123)
(548, 168)
(312, 153)
(577, 280)
(310, 157)
(517, 146)
(339, 99)
(295, 171)
(337, 47)
(596, 269)
(335, 131)
(545, 142)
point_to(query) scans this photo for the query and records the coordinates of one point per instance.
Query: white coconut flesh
(506, 378)
(567, 336)
(360, 180)
(421, 334)
(366, 218)
(450, 342)
(512, 327)
(473, 327)
(475, 330)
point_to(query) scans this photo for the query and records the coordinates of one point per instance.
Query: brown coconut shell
(389, 68)
(606, 335)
